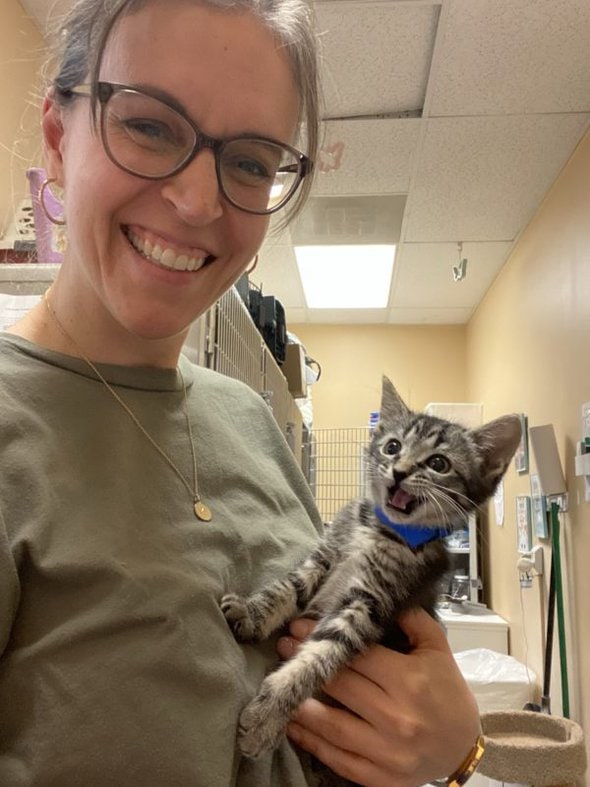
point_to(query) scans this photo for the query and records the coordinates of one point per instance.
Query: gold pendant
(202, 512)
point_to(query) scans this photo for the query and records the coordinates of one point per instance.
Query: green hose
(560, 609)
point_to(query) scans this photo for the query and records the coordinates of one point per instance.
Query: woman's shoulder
(210, 383)
(16, 393)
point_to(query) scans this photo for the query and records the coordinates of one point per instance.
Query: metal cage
(335, 459)
(226, 339)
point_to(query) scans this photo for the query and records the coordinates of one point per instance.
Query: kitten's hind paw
(235, 609)
(261, 726)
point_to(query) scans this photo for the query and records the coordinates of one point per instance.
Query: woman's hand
(408, 718)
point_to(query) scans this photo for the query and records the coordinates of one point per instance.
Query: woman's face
(226, 71)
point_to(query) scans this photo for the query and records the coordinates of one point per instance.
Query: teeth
(165, 257)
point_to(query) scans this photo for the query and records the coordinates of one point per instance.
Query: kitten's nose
(398, 477)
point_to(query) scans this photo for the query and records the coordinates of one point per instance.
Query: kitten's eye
(392, 447)
(438, 463)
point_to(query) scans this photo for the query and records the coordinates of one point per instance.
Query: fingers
(377, 706)
(352, 748)
(406, 719)
(429, 648)
(423, 630)
(299, 630)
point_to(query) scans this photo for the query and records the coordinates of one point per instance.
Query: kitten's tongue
(400, 499)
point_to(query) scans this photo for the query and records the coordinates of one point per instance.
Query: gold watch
(467, 767)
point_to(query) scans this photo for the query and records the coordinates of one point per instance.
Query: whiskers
(443, 499)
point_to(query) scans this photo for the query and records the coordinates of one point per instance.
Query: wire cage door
(336, 467)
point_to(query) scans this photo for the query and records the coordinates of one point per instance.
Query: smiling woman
(137, 488)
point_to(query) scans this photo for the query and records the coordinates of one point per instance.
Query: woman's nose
(194, 192)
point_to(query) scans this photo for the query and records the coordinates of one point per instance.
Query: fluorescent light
(346, 277)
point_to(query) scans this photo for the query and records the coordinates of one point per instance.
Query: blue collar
(413, 535)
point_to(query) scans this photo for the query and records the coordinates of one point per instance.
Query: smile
(165, 256)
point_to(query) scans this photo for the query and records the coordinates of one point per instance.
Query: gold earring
(52, 219)
(249, 270)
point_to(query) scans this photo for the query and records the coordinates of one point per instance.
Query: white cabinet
(482, 629)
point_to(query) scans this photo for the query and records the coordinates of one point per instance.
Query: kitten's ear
(497, 442)
(392, 405)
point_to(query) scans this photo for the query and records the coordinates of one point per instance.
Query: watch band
(468, 766)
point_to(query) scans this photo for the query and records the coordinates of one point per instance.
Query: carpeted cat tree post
(532, 748)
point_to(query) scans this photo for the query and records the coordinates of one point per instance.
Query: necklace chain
(201, 511)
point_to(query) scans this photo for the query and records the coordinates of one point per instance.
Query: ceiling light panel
(346, 276)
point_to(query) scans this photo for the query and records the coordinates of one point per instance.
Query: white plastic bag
(498, 681)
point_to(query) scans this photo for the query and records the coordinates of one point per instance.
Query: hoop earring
(52, 219)
(249, 270)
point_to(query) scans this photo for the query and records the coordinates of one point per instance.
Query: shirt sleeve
(9, 586)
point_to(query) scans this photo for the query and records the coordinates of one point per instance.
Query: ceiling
(466, 111)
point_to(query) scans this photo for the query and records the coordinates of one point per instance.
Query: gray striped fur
(362, 575)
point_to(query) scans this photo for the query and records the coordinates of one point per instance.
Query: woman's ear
(53, 133)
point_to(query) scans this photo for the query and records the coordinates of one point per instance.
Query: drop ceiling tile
(424, 275)
(429, 316)
(347, 316)
(277, 274)
(295, 316)
(483, 178)
(376, 56)
(512, 56)
(367, 157)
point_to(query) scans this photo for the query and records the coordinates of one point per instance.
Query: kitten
(380, 556)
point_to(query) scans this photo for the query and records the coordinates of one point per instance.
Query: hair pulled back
(82, 36)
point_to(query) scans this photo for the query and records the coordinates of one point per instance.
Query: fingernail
(300, 628)
(285, 647)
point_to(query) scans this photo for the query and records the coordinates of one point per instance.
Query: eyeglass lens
(147, 137)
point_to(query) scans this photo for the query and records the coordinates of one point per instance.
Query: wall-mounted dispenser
(548, 463)
(583, 451)
(529, 565)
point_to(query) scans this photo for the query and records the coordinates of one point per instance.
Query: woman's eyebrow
(162, 95)
(173, 102)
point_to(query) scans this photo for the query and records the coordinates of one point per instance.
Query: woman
(137, 489)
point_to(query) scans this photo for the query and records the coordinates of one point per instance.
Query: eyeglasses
(147, 136)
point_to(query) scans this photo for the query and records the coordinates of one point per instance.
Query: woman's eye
(438, 463)
(392, 447)
(250, 169)
(148, 130)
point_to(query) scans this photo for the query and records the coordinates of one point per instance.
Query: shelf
(26, 278)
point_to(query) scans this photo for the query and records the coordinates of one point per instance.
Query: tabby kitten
(380, 556)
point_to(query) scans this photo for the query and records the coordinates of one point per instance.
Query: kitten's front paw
(261, 726)
(236, 613)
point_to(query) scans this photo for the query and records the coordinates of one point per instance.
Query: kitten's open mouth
(400, 500)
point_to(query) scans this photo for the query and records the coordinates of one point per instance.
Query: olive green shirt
(116, 664)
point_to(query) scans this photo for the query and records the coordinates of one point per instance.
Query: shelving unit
(26, 278)
(465, 560)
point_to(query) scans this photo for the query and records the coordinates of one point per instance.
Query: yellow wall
(425, 363)
(21, 56)
(528, 350)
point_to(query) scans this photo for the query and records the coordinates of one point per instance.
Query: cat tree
(532, 748)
